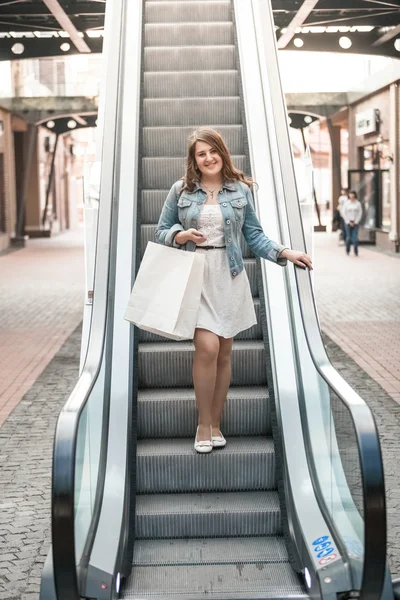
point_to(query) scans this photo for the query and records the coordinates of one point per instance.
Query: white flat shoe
(218, 441)
(202, 447)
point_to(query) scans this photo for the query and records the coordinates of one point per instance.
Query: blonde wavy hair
(214, 139)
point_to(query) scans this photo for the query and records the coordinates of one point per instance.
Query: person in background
(352, 213)
(341, 202)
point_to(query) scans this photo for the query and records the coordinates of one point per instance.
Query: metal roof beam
(67, 25)
(294, 6)
(297, 21)
(38, 9)
(388, 36)
(79, 120)
(380, 19)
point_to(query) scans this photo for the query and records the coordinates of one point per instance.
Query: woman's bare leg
(223, 380)
(207, 346)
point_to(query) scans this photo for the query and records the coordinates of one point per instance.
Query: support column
(394, 235)
(28, 209)
(334, 134)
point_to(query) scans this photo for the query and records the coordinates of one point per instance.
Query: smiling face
(207, 159)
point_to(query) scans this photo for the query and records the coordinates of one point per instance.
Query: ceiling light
(308, 119)
(71, 124)
(397, 44)
(298, 42)
(345, 42)
(50, 124)
(65, 47)
(289, 120)
(18, 48)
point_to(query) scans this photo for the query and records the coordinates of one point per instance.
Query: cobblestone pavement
(41, 299)
(359, 307)
(26, 443)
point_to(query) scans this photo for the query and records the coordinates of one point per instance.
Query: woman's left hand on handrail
(301, 259)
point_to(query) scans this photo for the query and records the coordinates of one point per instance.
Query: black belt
(211, 247)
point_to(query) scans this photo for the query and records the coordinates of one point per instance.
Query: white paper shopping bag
(166, 295)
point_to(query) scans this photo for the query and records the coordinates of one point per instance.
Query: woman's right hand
(190, 234)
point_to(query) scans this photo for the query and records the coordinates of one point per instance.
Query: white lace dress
(226, 305)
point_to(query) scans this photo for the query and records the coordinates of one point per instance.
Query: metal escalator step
(253, 333)
(152, 203)
(187, 12)
(170, 364)
(210, 551)
(173, 141)
(148, 234)
(215, 515)
(167, 84)
(219, 582)
(188, 34)
(179, 58)
(191, 111)
(173, 465)
(159, 172)
(173, 413)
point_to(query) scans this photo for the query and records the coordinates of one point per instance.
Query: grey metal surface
(178, 58)
(208, 515)
(186, 84)
(170, 364)
(187, 12)
(188, 34)
(236, 581)
(172, 465)
(173, 413)
(210, 551)
(191, 111)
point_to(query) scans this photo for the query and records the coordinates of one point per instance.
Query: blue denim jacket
(235, 199)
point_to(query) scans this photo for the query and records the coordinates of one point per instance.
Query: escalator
(294, 506)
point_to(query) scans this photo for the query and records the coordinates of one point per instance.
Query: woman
(352, 213)
(207, 211)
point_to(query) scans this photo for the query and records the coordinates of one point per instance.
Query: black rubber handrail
(62, 501)
(65, 569)
(370, 456)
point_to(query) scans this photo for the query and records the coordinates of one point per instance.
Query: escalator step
(179, 58)
(187, 12)
(172, 141)
(210, 551)
(170, 364)
(148, 235)
(159, 172)
(191, 83)
(219, 582)
(172, 465)
(191, 111)
(214, 515)
(188, 34)
(172, 413)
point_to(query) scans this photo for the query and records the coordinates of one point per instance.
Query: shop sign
(367, 122)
